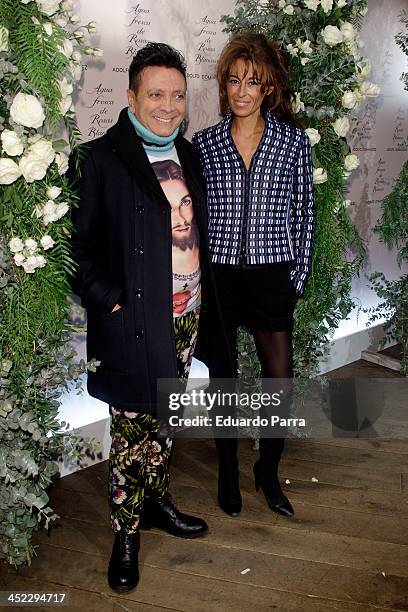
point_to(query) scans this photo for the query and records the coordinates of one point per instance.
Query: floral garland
(329, 81)
(41, 49)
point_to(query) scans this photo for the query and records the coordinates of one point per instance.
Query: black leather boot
(266, 477)
(123, 571)
(163, 514)
(229, 495)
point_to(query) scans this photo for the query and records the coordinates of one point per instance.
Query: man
(138, 256)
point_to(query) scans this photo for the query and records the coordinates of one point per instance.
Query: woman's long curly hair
(269, 67)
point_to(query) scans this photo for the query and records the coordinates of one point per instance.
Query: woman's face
(244, 90)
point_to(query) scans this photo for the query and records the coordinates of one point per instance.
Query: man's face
(182, 230)
(160, 100)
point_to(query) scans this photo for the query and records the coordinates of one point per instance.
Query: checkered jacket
(266, 214)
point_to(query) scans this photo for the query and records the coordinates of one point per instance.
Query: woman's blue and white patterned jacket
(265, 214)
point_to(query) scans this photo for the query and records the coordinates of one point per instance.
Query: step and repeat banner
(381, 128)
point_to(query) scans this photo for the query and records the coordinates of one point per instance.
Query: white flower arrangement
(27, 110)
(341, 126)
(27, 147)
(319, 176)
(313, 135)
(27, 254)
(351, 162)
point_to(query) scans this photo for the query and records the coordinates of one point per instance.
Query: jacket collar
(130, 149)
(223, 130)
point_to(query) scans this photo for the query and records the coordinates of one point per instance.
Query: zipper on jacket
(243, 241)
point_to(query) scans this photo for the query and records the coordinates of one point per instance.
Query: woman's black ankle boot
(267, 479)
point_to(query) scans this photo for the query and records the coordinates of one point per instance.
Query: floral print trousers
(139, 457)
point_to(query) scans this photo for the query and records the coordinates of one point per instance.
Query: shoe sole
(188, 536)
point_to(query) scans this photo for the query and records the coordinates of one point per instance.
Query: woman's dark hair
(167, 170)
(269, 67)
(155, 54)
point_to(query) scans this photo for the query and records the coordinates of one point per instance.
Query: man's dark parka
(122, 246)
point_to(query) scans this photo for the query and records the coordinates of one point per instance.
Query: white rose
(42, 148)
(312, 5)
(306, 48)
(305, 60)
(31, 245)
(11, 143)
(332, 35)
(53, 192)
(314, 136)
(297, 104)
(348, 31)
(30, 264)
(27, 110)
(351, 162)
(319, 176)
(341, 126)
(9, 171)
(48, 7)
(4, 35)
(65, 104)
(49, 212)
(327, 5)
(363, 69)
(40, 261)
(292, 50)
(62, 162)
(16, 245)
(32, 167)
(49, 208)
(341, 3)
(47, 242)
(349, 99)
(19, 259)
(61, 210)
(281, 4)
(48, 28)
(289, 10)
(67, 49)
(368, 89)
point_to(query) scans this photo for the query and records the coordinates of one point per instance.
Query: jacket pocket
(106, 340)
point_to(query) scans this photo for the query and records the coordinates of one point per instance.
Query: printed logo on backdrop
(364, 128)
(101, 103)
(138, 24)
(399, 131)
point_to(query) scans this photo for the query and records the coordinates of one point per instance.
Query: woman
(258, 171)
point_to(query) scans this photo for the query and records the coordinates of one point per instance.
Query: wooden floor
(345, 549)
